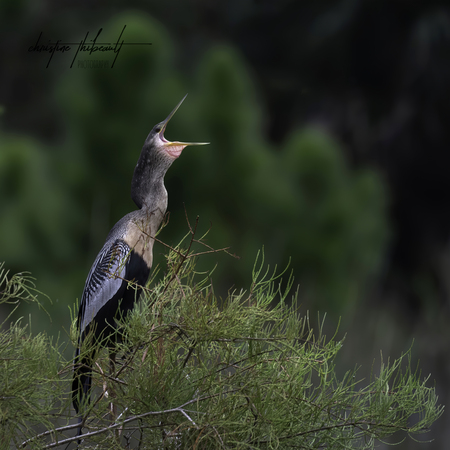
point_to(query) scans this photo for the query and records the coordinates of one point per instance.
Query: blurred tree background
(329, 147)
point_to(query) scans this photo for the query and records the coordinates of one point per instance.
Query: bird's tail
(81, 385)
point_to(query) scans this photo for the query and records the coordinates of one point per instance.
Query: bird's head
(157, 139)
(156, 157)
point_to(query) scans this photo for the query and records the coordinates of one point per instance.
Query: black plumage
(126, 256)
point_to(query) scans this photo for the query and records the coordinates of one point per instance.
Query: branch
(180, 409)
(356, 424)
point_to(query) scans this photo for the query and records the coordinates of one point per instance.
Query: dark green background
(328, 124)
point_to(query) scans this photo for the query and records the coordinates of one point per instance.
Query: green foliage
(32, 390)
(38, 222)
(31, 202)
(338, 218)
(194, 371)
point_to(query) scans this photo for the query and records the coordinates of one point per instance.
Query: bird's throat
(174, 151)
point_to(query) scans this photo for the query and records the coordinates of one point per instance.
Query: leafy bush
(195, 371)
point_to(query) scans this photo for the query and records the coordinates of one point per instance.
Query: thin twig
(185, 415)
(184, 256)
(180, 409)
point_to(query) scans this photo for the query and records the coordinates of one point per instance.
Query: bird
(126, 257)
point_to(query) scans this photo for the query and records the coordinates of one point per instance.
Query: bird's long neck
(147, 186)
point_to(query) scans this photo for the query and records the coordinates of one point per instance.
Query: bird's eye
(157, 129)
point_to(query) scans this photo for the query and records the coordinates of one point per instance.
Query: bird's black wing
(106, 281)
(105, 286)
(104, 294)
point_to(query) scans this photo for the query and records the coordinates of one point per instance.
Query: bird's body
(125, 258)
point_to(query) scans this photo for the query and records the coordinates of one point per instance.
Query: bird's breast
(140, 234)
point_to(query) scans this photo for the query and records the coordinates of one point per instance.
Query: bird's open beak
(175, 148)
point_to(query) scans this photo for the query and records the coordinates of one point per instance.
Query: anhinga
(126, 256)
